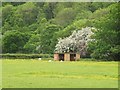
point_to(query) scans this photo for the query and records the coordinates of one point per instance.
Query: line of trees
(35, 27)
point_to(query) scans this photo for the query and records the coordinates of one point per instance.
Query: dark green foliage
(13, 41)
(31, 45)
(7, 14)
(47, 42)
(98, 5)
(12, 3)
(65, 17)
(107, 36)
(48, 9)
(25, 14)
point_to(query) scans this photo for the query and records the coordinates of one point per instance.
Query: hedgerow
(25, 56)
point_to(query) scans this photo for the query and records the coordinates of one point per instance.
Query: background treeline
(34, 27)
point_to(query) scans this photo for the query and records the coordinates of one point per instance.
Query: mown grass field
(43, 74)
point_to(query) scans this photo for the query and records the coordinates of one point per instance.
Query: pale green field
(43, 74)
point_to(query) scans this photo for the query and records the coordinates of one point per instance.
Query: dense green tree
(13, 41)
(6, 27)
(7, 14)
(25, 14)
(107, 40)
(99, 13)
(98, 5)
(17, 3)
(49, 10)
(46, 38)
(31, 45)
(65, 17)
(41, 25)
(12, 3)
(76, 25)
(84, 14)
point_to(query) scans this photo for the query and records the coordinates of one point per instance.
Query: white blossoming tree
(75, 43)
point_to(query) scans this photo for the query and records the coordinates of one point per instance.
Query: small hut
(70, 48)
(66, 56)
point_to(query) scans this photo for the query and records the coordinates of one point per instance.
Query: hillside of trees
(35, 27)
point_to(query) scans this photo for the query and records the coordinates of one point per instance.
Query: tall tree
(46, 38)
(13, 41)
(107, 35)
(65, 17)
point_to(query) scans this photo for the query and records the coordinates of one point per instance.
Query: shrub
(25, 56)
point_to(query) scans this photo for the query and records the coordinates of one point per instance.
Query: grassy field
(44, 74)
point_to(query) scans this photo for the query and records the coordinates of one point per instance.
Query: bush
(26, 56)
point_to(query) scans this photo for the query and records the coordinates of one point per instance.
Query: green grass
(44, 74)
(0, 74)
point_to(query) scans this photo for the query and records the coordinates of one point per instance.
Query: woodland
(37, 27)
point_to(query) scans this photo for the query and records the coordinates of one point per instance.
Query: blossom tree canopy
(75, 43)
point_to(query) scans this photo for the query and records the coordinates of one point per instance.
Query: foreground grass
(44, 74)
(0, 74)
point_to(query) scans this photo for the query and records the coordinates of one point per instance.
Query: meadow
(32, 73)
